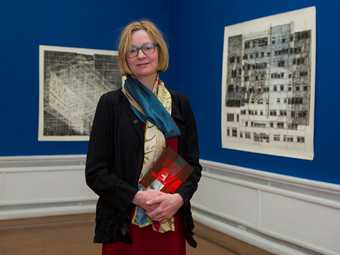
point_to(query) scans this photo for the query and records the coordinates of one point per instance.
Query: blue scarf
(153, 109)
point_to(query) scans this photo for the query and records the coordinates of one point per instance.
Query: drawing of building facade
(268, 87)
(73, 84)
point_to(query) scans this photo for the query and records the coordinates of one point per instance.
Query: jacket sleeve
(99, 177)
(190, 153)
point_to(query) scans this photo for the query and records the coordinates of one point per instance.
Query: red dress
(146, 241)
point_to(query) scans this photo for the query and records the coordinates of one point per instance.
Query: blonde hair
(156, 36)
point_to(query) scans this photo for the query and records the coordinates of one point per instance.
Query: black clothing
(115, 159)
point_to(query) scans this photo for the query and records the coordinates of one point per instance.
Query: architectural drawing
(268, 85)
(71, 82)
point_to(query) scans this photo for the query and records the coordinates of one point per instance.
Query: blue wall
(194, 30)
(199, 48)
(71, 23)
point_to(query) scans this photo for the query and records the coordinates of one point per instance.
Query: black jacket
(115, 159)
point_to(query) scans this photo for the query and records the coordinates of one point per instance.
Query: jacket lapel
(176, 114)
(135, 122)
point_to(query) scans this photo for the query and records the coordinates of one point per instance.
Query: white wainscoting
(43, 185)
(281, 214)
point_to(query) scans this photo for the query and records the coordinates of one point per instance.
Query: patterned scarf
(154, 109)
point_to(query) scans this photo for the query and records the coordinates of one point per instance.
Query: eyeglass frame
(142, 48)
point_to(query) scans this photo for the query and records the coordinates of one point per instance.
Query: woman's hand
(142, 197)
(164, 206)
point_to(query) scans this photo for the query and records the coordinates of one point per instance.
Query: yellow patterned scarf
(154, 144)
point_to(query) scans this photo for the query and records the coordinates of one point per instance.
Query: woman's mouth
(142, 64)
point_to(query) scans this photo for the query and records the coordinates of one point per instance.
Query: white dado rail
(281, 214)
(43, 185)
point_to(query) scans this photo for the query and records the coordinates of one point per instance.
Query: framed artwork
(71, 83)
(268, 85)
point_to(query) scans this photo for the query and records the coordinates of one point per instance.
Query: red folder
(168, 173)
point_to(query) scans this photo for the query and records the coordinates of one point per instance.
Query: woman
(131, 128)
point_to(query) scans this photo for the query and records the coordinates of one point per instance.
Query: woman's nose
(140, 53)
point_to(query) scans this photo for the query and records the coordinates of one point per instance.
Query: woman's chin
(145, 73)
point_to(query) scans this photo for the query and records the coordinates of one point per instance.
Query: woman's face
(142, 55)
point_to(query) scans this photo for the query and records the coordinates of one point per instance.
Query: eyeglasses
(147, 49)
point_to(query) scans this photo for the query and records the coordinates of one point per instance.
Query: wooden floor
(72, 235)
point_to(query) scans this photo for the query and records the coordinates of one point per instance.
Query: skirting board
(44, 186)
(281, 214)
